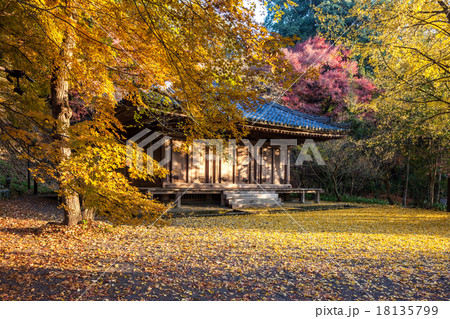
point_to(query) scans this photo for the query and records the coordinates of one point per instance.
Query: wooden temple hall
(254, 173)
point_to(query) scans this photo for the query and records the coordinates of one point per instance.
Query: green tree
(301, 18)
(298, 19)
(408, 52)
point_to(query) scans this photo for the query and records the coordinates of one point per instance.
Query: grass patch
(355, 199)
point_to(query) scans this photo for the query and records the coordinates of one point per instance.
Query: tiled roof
(277, 114)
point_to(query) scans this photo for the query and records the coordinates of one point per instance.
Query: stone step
(261, 205)
(248, 192)
(252, 198)
(255, 200)
(237, 196)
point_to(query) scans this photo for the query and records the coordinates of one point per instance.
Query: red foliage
(80, 111)
(337, 80)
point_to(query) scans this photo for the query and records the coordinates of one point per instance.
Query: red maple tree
(337, 79)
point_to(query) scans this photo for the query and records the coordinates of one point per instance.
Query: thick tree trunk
(72, 212)
(62, 112)
(405, 189)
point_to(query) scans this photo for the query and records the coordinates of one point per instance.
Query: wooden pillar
(178, 199)
(214, 168)
(272, 168)
(287, 176)
(317, 199)
(219, 175)
(302, 197)
(222, 199)
(171, 161)
(255, 170)
(207, 157)
(250, 175)
(260, 167)
(187, 168)
(234, 168)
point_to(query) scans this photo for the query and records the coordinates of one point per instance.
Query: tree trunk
(72, 212)
(448, 191)
(62, 112)
(431, 187)
(405, 190)
(87, 213)
(445, 9)
(352, 185)
(438, 191)
(387, 183)
(335, 188)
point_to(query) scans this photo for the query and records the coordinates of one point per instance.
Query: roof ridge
(316, 118)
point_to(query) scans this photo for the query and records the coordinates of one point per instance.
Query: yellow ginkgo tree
(405, 48)
(211, 52)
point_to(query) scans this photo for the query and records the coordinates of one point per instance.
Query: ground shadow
(41, 207)
(190, 282)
